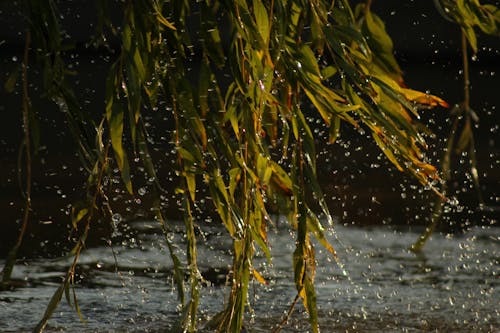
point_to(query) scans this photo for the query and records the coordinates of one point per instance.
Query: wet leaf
(328, 72)
(387, 152)
(78, 215)
(281, 178)
(191, 184)
(51, 306)
(423, 98)
(262, 19)
(259, 277)
(334, 129)
(310, 303)
(114, 114)
(308, 61)
(381, 44)
(162, 19)
(317, 229)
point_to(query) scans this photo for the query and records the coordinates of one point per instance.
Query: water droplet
(116, 218)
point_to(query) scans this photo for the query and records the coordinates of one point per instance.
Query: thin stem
(468, 113)
(465, 109)
(287, 316)
(11, 258)
(437, 212)
(70, 273)
(465, 60)
(474, 172)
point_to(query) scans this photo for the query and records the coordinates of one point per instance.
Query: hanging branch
(12, 255)
(469, 15)
(95, 190)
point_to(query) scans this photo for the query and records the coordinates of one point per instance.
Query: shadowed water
(382, 287)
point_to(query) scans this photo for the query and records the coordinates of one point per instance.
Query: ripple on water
(452, 287)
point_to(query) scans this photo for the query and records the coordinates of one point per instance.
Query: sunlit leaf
(423, 98)
(328, 72)
(281, 178)
(51, 307)
(259, 277)
(261, 18)
(317, 229)
(114, 114)
(386, 150)
(162, 19)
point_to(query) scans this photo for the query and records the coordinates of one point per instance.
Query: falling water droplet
(116, 218)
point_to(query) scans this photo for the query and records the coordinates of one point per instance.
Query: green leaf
(203, 88)
(262, 19)
(234, 178)
(78, 215)
(328, 72)
(307, 61)
(381, 44)
(141, 70)
(387, 151)
(185, 154)
(280, 178)
(52, 306)
(310, 302)
(378, 34)
(315, 226)
(191, 184)
(127, 37)
(114, 115)
(471, 37)
(334, 129)
(264, 170)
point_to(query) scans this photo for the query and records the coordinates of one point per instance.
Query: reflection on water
(452, 288)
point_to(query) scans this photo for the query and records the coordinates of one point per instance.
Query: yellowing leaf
(162, 19)
(387, 151)
(259, 277)
(281, 178)
(423, 98)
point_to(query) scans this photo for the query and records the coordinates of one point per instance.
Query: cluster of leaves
(247, 140)
(470, 14)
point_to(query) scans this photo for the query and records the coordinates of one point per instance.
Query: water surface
(381, 286)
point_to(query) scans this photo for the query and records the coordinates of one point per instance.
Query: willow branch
(11, 258)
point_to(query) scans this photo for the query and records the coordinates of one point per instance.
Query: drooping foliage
(241, 122)
(468, 15)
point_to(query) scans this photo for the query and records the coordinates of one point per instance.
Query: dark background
(357, 184)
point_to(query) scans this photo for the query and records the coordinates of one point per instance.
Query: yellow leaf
(259, 277)
(423, 98)
(163, 20)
